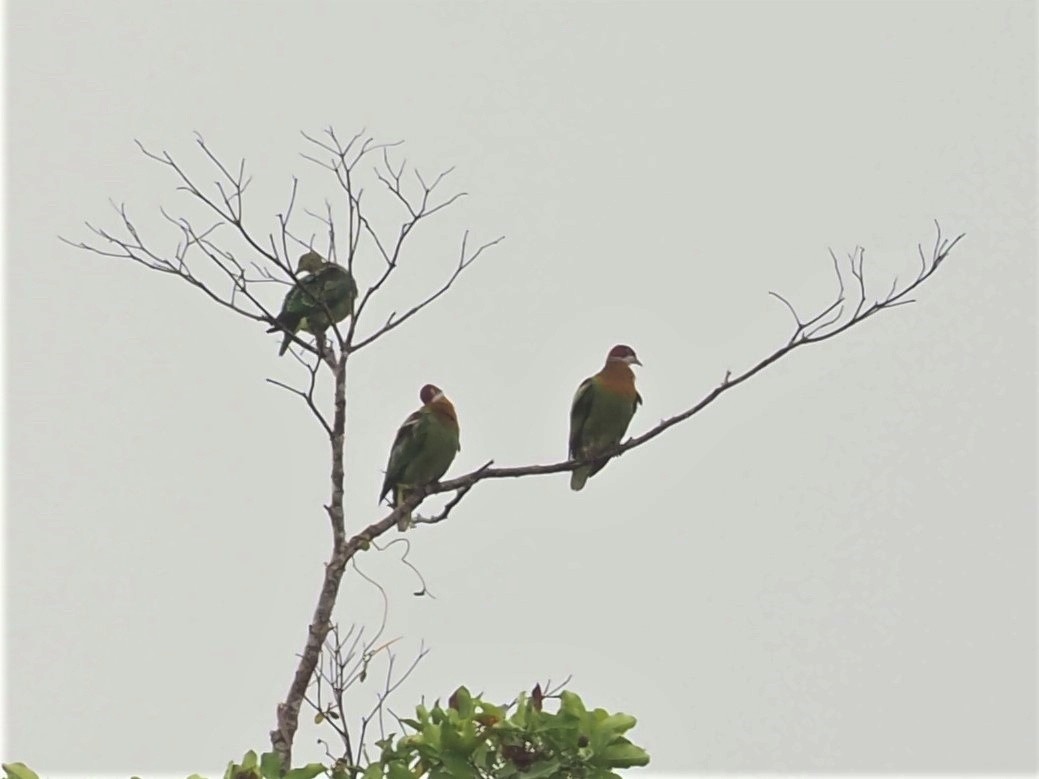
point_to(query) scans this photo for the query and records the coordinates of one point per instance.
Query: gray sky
(832, 568)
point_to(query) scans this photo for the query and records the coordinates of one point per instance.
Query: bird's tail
(278, 324)
(579, 476)
(287, 324)
(404, 521)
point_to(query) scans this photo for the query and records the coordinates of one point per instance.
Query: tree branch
(395, 321)
(461, 485)
(266, 259)
(288, 712)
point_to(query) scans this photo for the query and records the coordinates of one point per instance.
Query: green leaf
(196, 776)
(270, 765)
(618, 723)
(309, 771)
(399, 771)
(490, 710)
(319, 718)
(19, 771)
(625, 755)
(520, 715)
(461, 701)
(374, 771)
(572, 704)
(431, 735)
(438, 715)
(457, 766)
(460, 739)
(249, 761)
(483, 756)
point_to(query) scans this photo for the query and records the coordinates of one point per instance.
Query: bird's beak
(635, 361)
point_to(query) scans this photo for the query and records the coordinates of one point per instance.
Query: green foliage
(268, 766)
(474, 739)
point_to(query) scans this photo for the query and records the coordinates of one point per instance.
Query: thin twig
(461, 485)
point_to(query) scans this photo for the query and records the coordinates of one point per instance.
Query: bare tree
(246, 257)
(347, 660)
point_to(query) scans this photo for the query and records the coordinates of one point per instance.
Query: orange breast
(444, 409)
(618, 378)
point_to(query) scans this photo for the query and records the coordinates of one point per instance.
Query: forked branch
(812, 330)
(236, 253)
(821, 326)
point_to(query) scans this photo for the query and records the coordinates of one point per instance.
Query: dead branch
(345, 661)
(806, 332)
(342, 164)
(225, 200)
(460, 493)
(308, 394)
(391, 683)
(395, 321)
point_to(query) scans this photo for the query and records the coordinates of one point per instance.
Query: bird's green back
(330, 291)
(424, 449)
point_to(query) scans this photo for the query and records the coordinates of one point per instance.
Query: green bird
(601, 412)
(423, 450)
(328, 289)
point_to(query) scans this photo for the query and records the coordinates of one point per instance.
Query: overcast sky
(831, 568)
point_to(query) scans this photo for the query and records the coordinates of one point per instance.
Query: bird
(323, 297)
(423, 450)
(601, 412)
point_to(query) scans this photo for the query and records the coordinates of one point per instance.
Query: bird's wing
(579, 411)
(314, 290)
(301, 298)
(408, 442)
(293, 308)
(338, 285)
(324, 291)
(336, 278)
(638, 402)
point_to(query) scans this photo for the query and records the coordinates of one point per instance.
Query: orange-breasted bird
(425, 446)
(601, 412)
